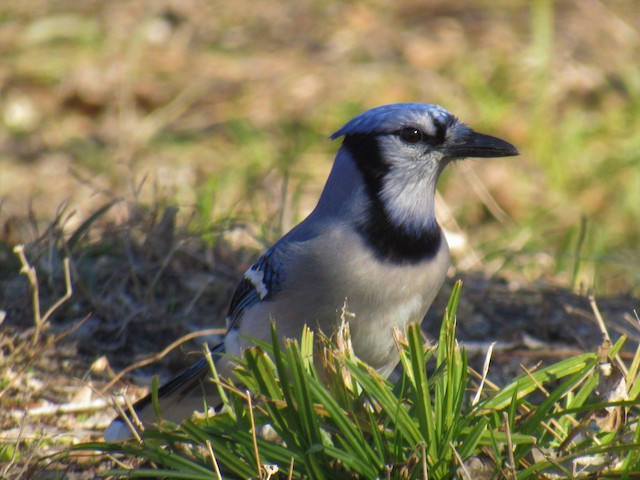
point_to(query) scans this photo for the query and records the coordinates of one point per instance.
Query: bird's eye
(411, 135)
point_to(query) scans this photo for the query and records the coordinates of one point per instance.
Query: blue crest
(389, 118)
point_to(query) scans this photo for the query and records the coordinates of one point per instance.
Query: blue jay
(372, 241)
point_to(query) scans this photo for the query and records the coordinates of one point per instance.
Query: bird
(372, 241)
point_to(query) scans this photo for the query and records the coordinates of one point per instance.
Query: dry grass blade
(462, 470)
(485, 372)
(160, 355)
(214, 461)
(254, 432)
(40, 321)
(512, 461)
(605, 332)
(128, 420)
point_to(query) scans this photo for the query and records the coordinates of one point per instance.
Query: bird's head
(401, 149)
(413, 138)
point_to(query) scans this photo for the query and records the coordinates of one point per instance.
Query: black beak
(480, 145)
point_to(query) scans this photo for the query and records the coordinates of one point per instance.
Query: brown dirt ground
(132, 302)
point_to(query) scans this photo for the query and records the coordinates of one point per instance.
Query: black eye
(411, 135)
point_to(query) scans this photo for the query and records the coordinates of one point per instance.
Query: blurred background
(224, 111)
(161, 145)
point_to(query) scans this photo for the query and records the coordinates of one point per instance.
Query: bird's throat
(397, 243)
(398, 223)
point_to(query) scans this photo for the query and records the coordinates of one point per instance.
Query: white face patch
(428, 126)
(256, 277)
(409, 204)
(408, 188)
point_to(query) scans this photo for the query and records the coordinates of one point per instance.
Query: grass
(340, 419)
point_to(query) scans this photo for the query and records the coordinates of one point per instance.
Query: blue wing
(258, 284)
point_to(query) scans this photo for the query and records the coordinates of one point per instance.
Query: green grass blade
(525, 385)
(422, 399)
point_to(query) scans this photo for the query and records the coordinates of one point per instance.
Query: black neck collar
(389, 241)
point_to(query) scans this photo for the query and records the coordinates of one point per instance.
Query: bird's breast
(378, 295)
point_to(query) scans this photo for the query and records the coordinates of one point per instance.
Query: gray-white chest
(378, 293)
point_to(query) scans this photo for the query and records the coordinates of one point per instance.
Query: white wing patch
(256, 277)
